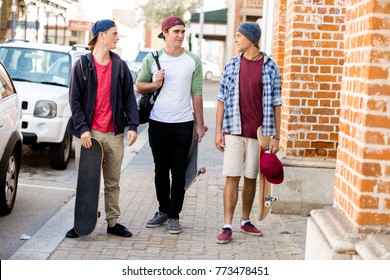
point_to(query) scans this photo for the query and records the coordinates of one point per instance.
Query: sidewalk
(201, 218)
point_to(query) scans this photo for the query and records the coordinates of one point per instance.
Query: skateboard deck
(88, 188)
(192, 171)
(265, 188)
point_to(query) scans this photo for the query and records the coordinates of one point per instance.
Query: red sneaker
(224, 236)
(250, 229)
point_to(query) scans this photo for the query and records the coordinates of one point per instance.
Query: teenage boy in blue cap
(249, 97)
(98, 111)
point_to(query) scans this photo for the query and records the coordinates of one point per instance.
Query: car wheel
(9, 184)
(208, 75)
(60, 152)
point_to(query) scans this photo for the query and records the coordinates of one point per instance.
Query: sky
(98, 9)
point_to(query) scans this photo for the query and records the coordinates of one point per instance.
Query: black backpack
(147, 100)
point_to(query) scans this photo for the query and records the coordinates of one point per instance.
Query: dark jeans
(170, 143)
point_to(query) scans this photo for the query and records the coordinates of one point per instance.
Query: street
(42, 191)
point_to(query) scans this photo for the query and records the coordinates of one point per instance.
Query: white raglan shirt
(183, 79)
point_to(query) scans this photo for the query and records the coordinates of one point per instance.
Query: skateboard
(265, 188)
(88, 188)
(192, 171)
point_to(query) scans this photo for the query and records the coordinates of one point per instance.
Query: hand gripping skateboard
(192, 171)
(88, 188)
(265, 188)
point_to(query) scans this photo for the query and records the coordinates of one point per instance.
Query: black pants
(170, 144)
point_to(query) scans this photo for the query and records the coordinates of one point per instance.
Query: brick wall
(362, 185)
(237, 20)
(279, 34)
(312, 74)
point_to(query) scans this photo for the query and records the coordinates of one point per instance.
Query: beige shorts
(241, 157)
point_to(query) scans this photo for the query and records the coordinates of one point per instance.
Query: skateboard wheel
(276, 198)
(267, 204)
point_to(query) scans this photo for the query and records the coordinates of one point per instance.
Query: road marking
(45, 187)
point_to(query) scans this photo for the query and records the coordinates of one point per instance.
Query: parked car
(137, 63)
(10, 141)
(210, 70)
(41, 74)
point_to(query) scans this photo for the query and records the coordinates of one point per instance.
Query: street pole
(13, 9)
(230, 30)
(64, 17)
(47, 26)
(38, 5)
(25, 24)
(56, 27)
(1, 5)
(187, 20)
(201, 23)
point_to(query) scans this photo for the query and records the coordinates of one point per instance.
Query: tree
(155, 11)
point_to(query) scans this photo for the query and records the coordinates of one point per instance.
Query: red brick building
(334, 56)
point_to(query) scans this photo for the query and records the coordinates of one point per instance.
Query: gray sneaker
(158, 219)
(174, 226)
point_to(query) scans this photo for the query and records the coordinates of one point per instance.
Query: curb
(46, 239)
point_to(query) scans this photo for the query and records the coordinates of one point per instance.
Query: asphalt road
(42, 191)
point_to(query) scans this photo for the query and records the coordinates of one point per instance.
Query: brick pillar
(312, 76)
(308, 47)
(279, 34)
(362, 185)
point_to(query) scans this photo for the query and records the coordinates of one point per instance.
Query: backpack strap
(155, 56)
(121, 73)
(84, 67)
(84, 63)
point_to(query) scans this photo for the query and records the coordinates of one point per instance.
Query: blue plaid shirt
(229, 95)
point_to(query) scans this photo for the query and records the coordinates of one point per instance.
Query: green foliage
(155, 11)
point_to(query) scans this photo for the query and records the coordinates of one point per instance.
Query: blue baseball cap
(100, 26)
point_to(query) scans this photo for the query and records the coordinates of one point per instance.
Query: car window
(60, 70)
(6, 88)
(37, 66)
(141, 55)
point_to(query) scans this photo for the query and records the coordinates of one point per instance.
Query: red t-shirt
(251, 96)
(102, 115)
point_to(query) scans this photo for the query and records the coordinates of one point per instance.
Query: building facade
(334, 57)
(35, 20)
